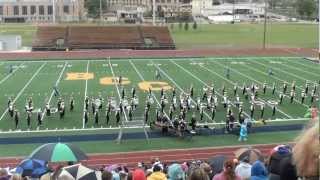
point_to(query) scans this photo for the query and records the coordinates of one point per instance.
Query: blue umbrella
(32, 167)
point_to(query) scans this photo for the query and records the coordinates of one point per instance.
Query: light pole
(154, 12)
(100, 11)
(265, 25)
(53, 12)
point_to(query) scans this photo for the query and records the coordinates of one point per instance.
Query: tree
(93, 7)
(195, 25)
(306, 8)
(186, 26)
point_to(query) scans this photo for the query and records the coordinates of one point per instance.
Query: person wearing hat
(244, 169)
(175, 172)
(157, 173)
(258, 171)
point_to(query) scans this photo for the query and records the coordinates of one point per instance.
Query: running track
(166, 156)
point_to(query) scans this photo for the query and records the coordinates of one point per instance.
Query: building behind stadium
(41, 10)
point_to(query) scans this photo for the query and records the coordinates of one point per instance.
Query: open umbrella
(248, 153)
(32, 167)
(216, 163)
(58, 152)
(80, 172)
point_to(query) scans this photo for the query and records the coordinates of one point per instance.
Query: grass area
(216, 35)
(246, 35)
(36, 79)
(158, 144)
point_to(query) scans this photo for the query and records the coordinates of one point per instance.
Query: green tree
(186, 26)
(195, 25)
(306, 8)
(93, 7)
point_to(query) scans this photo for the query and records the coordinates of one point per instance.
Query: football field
(98, 79)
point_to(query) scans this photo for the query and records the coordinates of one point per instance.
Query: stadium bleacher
(102, 37)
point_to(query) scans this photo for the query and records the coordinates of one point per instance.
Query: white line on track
(174, 82)
(9, 75)
(85, 95)
(116, 84)
(248, 78)
(194, 76)
(22, 90)
(56, 84)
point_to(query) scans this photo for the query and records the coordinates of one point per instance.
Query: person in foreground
(228, 172)
(258, 171)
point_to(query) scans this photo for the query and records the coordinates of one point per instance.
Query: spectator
(207, 169)
(138, 174)
(4, 174)
(228, 172)
(106, 175)
(258, 171)
(278, 153)
(287, 169)
(16, 177)
(157, 174)
(306, 153)
(175, 172)
(198, 174)
(244, 169)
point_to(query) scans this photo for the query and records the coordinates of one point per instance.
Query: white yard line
(201, 81)
(301, 70)
(22, 90)
(85, 95)
(305, 65)
(142, 78)
(251, 79)
(116, 84)
(174, 82)
(281, 70)
(9, 75)
(261, 82)
(56, 84)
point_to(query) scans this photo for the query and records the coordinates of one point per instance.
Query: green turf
(158, 144)
(180, 73)
(217, 35)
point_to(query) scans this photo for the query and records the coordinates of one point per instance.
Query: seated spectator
(277, 154)
(207, 169)
(198, 174)
(287, 169)
(4, 174)
(244, 169)
(258, 171)
(157, 174)
(175, 172)
(306, 153)
(228, 172)
(16, 177)
(106, 175)
(138, 174)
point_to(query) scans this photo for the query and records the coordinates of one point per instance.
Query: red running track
(131, 159)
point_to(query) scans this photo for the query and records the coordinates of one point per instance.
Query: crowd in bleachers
(299, 160)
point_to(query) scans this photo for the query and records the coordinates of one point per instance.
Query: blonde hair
(306, 152)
